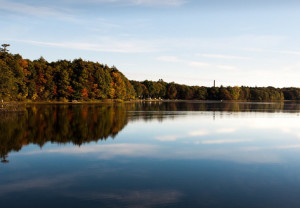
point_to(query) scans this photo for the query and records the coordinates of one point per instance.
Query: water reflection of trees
(77, 124)
(80, 124)
(145, 107)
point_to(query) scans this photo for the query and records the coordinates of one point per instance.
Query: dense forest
(63, 80)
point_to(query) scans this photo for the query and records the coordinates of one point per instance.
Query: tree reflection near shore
(79, 124)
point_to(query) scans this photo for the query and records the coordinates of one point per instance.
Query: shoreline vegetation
(112, 101)
(79, 81)
(20, 106)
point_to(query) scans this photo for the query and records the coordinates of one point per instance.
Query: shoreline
(111, 101)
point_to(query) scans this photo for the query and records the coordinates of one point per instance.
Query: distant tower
(214, 83)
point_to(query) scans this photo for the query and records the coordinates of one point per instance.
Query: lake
(151, 154)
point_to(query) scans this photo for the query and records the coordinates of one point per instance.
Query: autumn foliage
(39, 80)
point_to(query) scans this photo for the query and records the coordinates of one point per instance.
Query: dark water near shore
(167, 154)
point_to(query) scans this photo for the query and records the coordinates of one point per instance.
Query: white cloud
(104, 45)
(174, 59)
(274, 51)
(103, 23)
(226, 67)
(220, 56)
(292, 68)
(171, 59)
(198, 64)
(40, 11)
(143, 2)
(194, 64)
(158, 2)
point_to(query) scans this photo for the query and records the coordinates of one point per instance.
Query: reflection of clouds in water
(167, 138)
(258, 157)
(288, 146)
(260, 140)
(62, 185)
(198, 133)
(280, 147)
(225, 130)
(286, 125)
(136, 198)
(251, 148)
(41, 182)
(228, 154)
(189, 151)
(106, 151)
(204, 132)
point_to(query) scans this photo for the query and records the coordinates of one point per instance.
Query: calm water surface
(167, 154)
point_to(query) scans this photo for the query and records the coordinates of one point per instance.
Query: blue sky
(235, 42)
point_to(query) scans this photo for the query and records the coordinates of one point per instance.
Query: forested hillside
(63, 80)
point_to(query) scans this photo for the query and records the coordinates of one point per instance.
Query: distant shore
(110, 101)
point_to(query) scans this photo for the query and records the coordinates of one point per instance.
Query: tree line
(63, 80)
(161, 89)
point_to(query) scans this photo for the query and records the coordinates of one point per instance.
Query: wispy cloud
(144, 2)
(105, 45)
(226, 67)
(159, 2)
(194, 64)
(221, 56)
(288, 52)
(39, 11)
(101, 22)
(171, 59)
(198, 64)
(174, 59)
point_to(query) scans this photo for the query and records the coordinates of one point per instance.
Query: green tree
(8, 86)
(200, 93)
(4, 48)
(224, 94)
(171, 91)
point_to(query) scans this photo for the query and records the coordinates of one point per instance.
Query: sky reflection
(169, 156)
(244, 137)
